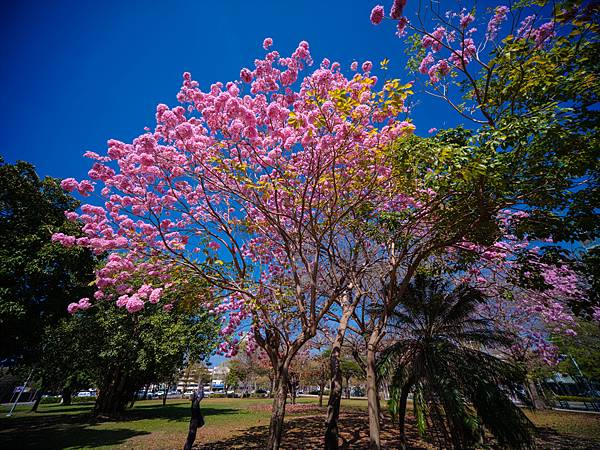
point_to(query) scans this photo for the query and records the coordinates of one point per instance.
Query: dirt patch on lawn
(307, 433)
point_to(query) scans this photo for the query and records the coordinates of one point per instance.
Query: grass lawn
(238, 423)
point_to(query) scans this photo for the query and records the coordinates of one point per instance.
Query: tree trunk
(114, 394)
(336, 386)
(402, 414)
(321, 389)
(164, 399)
(133, 399)
(38, 399)
(146, 391)
(536, 401)
(348, 388)
(335, 398)
(373, 401)
(66, 396)
(195, 421)
(278, 411)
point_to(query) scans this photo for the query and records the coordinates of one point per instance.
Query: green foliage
(538, 144)
(458, 387)
(585, 348)
(38, 278)
(106, 343)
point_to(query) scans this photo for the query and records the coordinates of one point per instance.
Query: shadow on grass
(71, 409)
(177, 412)
(58, 427)
(308, 433)
(547, 438)
(53, 436)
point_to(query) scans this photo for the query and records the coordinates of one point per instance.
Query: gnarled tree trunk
(67, 396)
(373, 400)
(321, 390)
(336, 389)
(114, 394)
(38, 399)
(278, 411)
(536, 400)
(402, 414)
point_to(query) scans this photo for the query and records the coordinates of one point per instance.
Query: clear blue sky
(77, 73)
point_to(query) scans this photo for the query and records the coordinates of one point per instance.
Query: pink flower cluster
(397, 9)
(81, 305)
(218, 184)
(497, 19)
(377, 15)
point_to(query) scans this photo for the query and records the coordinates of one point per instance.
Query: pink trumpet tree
(248, 185)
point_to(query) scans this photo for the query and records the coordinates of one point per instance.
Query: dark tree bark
(321, 389)
(67, 396)
(278, 411)
(336, 387)
(116, 391)
(373, 401)
(38, 399)
(347, 387)
(402, 414)
(334, 403)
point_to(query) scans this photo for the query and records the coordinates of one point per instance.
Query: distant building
(219, 375)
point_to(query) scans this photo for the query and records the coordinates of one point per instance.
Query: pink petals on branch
(397, 9)
(267, 43)
(377, 14)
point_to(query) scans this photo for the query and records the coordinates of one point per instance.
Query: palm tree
(438, 351)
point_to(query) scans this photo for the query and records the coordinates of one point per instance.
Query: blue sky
(79, 73)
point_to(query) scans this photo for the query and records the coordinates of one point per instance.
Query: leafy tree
(584, 347)
(38, 278)
(316, 372)
(440, 351)
(350, 369)
(119, 352)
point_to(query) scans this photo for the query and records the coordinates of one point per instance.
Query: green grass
(149, 425)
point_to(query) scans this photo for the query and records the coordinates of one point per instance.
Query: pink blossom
(122, 301)
(134, 304)
(596, 313)
(267, 43)
(69, 184)
(246, 75)
(434, 40)
(73, 308)
(71, 215)
(367, 66)
(85, 187)
(377, 14)
(432, 130)
(543, 33)
(465, 20)
(84, 303)
(494, 24)
(397, 9)
(426, 63)
(213, 245)
(155, 295)
(168, 307)
(401, 27)
(354, 66)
